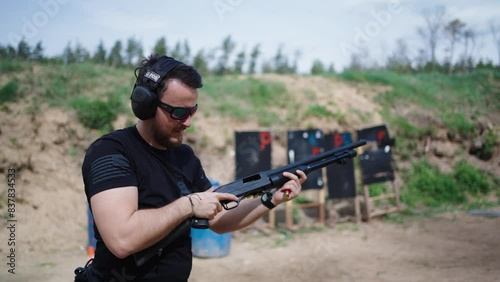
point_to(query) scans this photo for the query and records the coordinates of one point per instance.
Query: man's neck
(146, 132)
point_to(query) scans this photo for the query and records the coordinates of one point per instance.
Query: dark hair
(187, 74)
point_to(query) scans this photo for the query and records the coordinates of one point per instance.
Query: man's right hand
(207, 204)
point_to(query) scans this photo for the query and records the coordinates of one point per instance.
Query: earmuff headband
(153, 77)
(144, 99)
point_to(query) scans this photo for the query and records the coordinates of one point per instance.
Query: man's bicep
(105, 170)
(112, 208)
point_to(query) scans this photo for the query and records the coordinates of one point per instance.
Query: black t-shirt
(122, 158)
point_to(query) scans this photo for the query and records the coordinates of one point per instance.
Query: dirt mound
(355, 103)
(46, 149)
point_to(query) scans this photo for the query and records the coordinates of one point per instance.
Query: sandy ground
(445, 247)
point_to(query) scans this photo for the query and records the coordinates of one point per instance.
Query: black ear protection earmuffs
(144, 99)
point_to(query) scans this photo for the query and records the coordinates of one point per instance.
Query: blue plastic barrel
(208, 244)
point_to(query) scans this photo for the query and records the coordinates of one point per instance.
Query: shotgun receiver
(256, 184)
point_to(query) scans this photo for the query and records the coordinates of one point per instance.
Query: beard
(165, 139)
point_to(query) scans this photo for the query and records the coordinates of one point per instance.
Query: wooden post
(321, 200)
(369, 200)
(396, 193)
(289, 215)
(357, 208)
(320, 204)
(272, 218)
(366, 193)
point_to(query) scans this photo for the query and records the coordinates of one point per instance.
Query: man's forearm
(246, 213)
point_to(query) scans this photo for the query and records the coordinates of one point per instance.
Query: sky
(315, 29)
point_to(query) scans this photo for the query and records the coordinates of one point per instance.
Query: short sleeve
(106, 166)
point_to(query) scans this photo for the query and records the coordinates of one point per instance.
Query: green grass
(459, 124)
(411, 131)
(426, 184)
(317, 110)
(63, 83)
(457, 100)
(472, 180)
(11, 66)
(437, 91)
(97, 93)
(247, 98)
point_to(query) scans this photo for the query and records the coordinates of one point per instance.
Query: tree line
(459, 45)
(458, 41)
(221, 60)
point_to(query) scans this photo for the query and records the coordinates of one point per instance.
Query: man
(142, 183)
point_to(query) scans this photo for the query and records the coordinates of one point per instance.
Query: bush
(9, 92)
(490, 141)
(459, 124)
(471, 179)
(426, 184)
(117, 100)
(95, 114)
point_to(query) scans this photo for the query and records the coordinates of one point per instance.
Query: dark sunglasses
(178, 113)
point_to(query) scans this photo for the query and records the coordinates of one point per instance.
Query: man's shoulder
(121, 140)
(119, 136)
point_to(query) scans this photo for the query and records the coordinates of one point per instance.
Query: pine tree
(38, 52)
(115, 58)
(68, 54)
(100, 54)
(23, 50)
(227, 49)
(200, 63)
(240, 61)
(317, 67)
(133, 51)
(160, 47)
(253, 59)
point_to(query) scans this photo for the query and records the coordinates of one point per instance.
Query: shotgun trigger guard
(229, 205)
